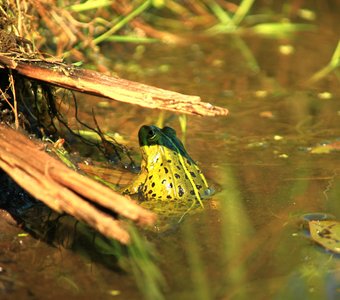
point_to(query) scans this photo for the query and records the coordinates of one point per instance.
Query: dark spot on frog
(180, 191)
(192, 192)
(198, 186)
(192, 174)
(154, 195)
(169, 161)
(177, 176)
(186, 176)
(163, 181)
(168, 197)
(161, 164)
(153, 184)
(150, 192)
(170, 185)
(145, 188)
(150, 176)
(178, 167)
(166, 170)
(189, 162)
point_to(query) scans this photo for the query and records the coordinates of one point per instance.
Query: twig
(15, 103)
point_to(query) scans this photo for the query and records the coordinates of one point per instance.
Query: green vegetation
(332, 66)
(90, 23)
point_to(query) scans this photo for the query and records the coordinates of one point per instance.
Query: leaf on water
(326, 233)
(267, 114)
(321, 149)
(326, 148)
(114, 292)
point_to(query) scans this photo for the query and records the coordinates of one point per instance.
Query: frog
(167, 171)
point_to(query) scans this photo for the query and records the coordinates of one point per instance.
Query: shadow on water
(68, 252)
(42, 222)
(246, 244)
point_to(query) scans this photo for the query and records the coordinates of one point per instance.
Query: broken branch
(113, 88)
(64, 190)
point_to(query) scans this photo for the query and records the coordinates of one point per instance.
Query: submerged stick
(63, 189)
(114, 88)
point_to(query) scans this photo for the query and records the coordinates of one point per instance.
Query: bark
(113, 88)
(65, 190)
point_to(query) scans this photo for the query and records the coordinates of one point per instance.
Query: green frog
(167, 173)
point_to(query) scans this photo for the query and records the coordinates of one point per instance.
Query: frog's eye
(151, 134)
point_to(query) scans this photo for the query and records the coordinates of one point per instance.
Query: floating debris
(326, 148)
(325, 95)
(326, 233)
(286, 49)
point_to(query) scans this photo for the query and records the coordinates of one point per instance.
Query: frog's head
(166, 137)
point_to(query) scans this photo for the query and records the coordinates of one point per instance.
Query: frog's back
(173, 176)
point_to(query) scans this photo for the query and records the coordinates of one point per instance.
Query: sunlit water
(247, 243)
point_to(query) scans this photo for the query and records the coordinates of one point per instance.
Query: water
(247, 243)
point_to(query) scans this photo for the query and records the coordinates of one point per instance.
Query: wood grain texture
(65, 190)
(113, 88)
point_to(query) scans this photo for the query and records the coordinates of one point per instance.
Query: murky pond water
(246, 243)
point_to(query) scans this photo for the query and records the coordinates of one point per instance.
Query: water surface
(246, 244)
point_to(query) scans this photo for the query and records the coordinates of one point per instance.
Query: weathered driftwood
(114, 88)
(63, 189)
